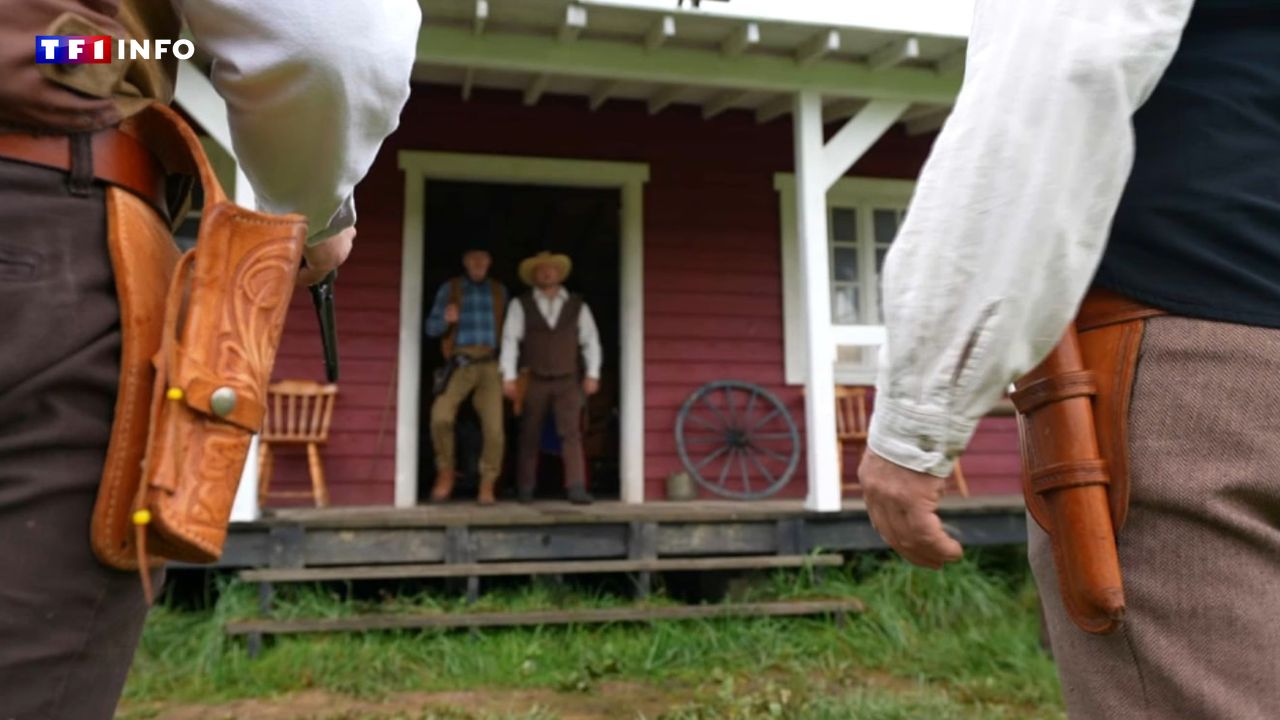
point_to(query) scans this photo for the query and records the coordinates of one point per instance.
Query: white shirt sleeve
(312, 89)
(1012, 211)
(589, 341)
(512, 334)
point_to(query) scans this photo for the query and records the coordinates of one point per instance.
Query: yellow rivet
(174, 393)
(142, 517)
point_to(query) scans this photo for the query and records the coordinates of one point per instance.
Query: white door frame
(629, 178)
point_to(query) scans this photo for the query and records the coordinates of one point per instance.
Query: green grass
(961, 643)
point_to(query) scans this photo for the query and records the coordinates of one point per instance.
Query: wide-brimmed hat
(529, 264)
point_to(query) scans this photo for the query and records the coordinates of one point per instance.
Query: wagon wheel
(737, 440)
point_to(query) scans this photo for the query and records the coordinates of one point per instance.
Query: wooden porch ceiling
(664, 58)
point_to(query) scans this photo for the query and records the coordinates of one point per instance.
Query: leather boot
(487, 486)
(444, 485)
(578, 495)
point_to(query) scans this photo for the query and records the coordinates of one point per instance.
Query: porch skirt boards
(1200, 551)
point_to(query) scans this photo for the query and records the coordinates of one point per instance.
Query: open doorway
(517, 221)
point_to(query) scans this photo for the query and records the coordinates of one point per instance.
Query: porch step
(591, 616)
(560, 567)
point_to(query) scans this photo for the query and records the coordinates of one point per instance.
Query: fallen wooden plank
(569, 567)
(594, 616)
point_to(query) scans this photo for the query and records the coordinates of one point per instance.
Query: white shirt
(549, 307)
(1012, 211)
(312, 89)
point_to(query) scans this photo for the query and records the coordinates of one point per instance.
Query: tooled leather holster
(200, 333)
(1073, 421)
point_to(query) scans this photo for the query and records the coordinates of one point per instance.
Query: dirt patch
(607, 701)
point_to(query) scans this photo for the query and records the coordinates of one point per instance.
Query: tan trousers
(1200, 551)
(483, 383)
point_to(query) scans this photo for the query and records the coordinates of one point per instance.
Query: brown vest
(81, 98)
(548, 351)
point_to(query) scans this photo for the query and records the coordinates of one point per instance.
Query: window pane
(855, 355)
(844, 304)
(844, 224)
(881, 252)
(844, 264)
(886, 223)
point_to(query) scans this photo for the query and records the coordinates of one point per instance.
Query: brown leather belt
(118, 159)
(1104, 307)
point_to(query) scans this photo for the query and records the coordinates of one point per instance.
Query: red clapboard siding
(712, 279)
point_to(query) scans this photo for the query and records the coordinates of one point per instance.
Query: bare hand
(451, 314)
(903, 505)
(509, 389)
(590, 386)
(325, 257)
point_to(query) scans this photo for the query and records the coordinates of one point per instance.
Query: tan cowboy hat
(529, 264)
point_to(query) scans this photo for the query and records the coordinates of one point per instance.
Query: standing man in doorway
(467, 314)
(546, 328)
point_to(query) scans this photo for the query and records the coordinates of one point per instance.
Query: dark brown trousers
(68, 625)
(562, 396)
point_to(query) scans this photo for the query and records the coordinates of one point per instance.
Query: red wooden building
(728, 179)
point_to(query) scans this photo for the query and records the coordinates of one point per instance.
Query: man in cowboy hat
(466, 315)
(547, 327)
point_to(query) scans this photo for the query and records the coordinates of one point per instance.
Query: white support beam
(952, 64)
(740, 39)
(811, 214)
(818, 166)
(664, 28)
(722, 102)
(468, 81)
(575, 21)
(197, 97)
(894, 54)
(595, 58)
(533, 93)
(927, 123)
(664, 97)
(856, 137)
(481, 16)
(601, 94)
(818, 47)
(774, 109)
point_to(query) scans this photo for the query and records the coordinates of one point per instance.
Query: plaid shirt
(475, 315)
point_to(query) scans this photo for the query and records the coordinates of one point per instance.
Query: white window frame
(863, 194)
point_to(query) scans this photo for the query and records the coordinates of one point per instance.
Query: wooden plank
(714, 538)
(345, 546)
(789, 608)
(580, 541)
(571, 567)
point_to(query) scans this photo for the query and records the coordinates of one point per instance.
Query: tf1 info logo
(97, 49)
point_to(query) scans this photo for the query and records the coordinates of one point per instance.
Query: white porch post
(631, 363)
(819, 384)
(245, 507)
(818, 166)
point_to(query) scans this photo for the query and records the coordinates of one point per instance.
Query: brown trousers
(483, 382)
(1200, 551)
(562, 396)
(68, 625)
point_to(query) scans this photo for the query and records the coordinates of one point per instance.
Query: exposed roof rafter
(533, 93)
(664, 28)
(894, 54)
(740, 40)
(722, 102)
(818, 46)
(664, 97)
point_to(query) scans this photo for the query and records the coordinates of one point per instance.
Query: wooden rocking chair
(852, 427)
(298, 413)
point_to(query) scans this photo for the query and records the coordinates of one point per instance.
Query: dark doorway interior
(518, 221)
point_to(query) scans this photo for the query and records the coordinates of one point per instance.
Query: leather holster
(200, 335)
(1073, 421)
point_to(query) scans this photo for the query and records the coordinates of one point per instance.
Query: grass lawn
(959, 644)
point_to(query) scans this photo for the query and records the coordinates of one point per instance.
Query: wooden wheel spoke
(765, 421)
(770, 435)
(770, 452)
(702, 421)
(706, 401)
(760, 466)
(703, 462)
(746, 477)
(728, 463)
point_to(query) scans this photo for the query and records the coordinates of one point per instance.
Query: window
(863, 216)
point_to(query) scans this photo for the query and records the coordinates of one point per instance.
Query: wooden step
(587, 616)
(563, 567)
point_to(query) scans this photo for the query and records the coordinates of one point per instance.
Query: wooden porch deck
(463, 532)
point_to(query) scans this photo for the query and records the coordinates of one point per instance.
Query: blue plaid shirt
(475, 316)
